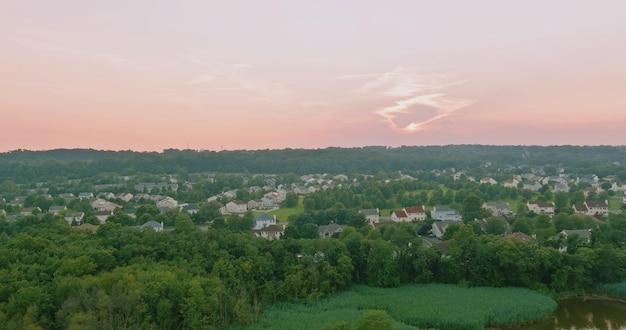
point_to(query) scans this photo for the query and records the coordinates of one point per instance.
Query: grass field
(283, 213)
(615, 202)
(415, 307)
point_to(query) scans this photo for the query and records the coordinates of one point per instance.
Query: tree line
(25, 165)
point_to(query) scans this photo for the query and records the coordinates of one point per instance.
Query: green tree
(374, 320)
(472, 208)
(495, 226)
(291, 200)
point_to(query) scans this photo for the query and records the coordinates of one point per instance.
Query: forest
(58, 277)
(25, 165)
(209, 271)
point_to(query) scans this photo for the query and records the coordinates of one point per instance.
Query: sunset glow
(157, 74)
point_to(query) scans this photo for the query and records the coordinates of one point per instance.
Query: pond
(580, 313)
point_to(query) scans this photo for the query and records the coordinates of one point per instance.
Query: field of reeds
(615, 289)
(430, 306)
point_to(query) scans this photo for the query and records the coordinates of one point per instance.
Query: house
(518, 236)
(254, 204)
(131, 212)
(488, 180)
(597, 208)
(371, 215)
(399, 216)
(618, 187)
(236, 206)
(100, 204)
(439, 227)
(55, 209)
(580, 208)
(541, 207)
(107, 195)
(510, 183)
(415, 213)
(532, 185)
(18, 200)
(74, 217)
(88, 227)
(264, 220)
(85, 195)
(341, 177)
(330, 231)
(167, 201)
(561, 187)
(497, 209)
(191, 209)
(270, 232)
(30, 210)
(158, 227)
(126, 197)
(3, 213)
(444, 212)
(583, 234)
(67, 196)
(103, 215)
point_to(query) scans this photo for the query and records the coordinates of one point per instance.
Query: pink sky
(156, 74)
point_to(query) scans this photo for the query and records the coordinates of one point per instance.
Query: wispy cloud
(220, 77)
(410, 89)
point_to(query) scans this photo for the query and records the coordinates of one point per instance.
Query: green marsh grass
(415, 307)
(614, 289)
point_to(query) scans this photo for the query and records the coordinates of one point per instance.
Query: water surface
(580, 313)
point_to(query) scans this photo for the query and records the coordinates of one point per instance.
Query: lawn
(282, 214)
(615, 202)
(415, 307)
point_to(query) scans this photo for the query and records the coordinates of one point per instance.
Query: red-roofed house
(399, 216)
(415, 213)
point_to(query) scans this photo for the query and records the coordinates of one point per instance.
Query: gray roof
(367, 212)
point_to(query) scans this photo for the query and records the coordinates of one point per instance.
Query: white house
(264, 220)
(103, 215)
(597, 208)
(74, 216)
(439, 227)
(445, 213)
(541, 207)
(236, 206)
(372, 215)
(497, 209)
(158, 227)
(399, 216)
(415, 213)
(270, 232)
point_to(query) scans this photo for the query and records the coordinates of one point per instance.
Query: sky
(148, 75)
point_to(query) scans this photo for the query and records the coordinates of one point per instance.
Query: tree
(291, 200)
(522, 225)
(495, 226)
(374, 320)
(560, 200)
(472, 208)
(240, 223)
(382, 268)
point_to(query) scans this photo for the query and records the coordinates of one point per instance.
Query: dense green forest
(23, 165)
(58, 277)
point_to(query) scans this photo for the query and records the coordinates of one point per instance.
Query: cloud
(408, 89)
(220, 77)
